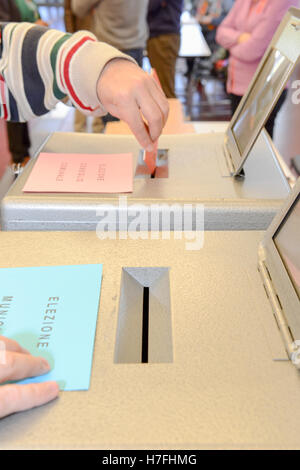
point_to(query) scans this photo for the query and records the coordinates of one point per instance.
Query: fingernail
(45, 364)
(53, 387)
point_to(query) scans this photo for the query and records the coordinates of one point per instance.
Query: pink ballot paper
(150, 158)
(81, 173)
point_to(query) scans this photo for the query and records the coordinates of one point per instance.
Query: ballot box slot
(144, 328)
(162, 166)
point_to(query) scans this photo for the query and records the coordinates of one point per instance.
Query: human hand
(16, 363)
(132, 95)
(244, 37)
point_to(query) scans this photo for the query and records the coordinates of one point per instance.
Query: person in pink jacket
(247, 32)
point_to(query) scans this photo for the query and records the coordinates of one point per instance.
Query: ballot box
(194, 173)
(216, 373)
(235, 175)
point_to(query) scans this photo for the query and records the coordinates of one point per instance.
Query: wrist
(109, 67)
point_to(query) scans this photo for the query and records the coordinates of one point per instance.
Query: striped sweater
(40, 66)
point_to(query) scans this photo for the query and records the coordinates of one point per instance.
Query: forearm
(227, 37)
(248, 51)
(254, 48)
(227, 33)
(40, 67)
(261, 36)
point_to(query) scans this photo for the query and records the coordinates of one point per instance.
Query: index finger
(160, 99)
(18, 366)
(151, 108)
(132, 115)
(12, 345)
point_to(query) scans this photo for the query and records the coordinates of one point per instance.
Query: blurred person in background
(122, 24)
(17, 132)
(247, 32)
(164, 40)
(72, 22)
(210, 14)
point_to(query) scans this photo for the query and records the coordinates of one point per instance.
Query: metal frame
(280, 288)
(287, 42)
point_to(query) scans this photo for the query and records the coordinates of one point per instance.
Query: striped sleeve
(40, 66)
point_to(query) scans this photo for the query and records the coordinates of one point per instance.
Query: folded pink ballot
(150, 158)
(81, 173)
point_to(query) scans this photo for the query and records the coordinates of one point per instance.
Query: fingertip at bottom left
(44, 392)
(52, 388)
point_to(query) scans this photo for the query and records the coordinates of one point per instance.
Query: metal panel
(196, 176)
(223, 388)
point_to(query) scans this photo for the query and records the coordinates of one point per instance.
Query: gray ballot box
(192, 170)
(196, 174)
(217, 373)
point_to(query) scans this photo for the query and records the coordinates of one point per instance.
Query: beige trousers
(162, 52)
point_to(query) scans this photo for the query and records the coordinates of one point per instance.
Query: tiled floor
(204, 99)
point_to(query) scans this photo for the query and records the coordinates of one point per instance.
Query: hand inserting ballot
(88, 74)
(16, 363)
(132, 95)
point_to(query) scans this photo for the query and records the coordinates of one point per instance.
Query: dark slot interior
(144, 330)
(162, 166)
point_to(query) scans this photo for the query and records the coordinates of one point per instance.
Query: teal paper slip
(52, 311)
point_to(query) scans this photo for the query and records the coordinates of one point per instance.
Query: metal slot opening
(145, 328)
(144, 332)
(162, 165)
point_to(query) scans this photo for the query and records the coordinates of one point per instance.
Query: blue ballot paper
(52, 311)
